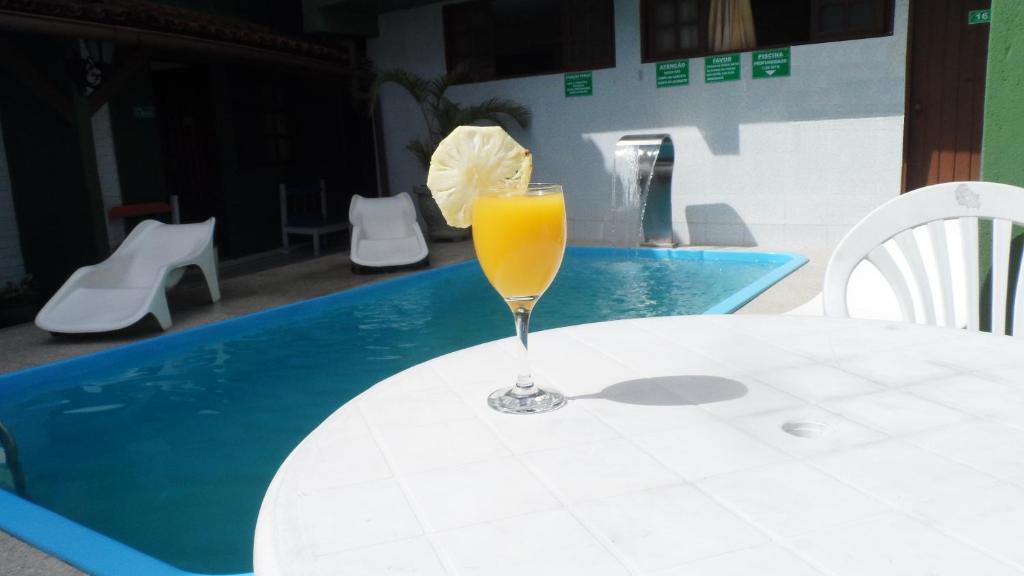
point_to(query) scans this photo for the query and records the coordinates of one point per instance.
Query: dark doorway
(185, 108)
(233, 132)
(945, 92)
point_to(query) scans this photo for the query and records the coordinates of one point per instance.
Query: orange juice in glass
(520, 239)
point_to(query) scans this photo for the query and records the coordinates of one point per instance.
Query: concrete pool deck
(273, 280)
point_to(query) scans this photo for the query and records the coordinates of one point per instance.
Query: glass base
(504, 400)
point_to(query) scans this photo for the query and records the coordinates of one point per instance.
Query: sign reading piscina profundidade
(770, 63)
(721, 68)
(674, 73)
(579, 84)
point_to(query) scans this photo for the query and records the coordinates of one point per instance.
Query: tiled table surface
(671, 459)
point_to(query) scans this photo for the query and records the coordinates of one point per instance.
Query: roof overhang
(356, 17)
(14, 20)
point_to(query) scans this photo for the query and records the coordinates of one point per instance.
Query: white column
(12, 267)
(106, 165)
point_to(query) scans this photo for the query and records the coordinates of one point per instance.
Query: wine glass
(520, 238)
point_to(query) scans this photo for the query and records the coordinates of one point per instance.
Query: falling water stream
(635, 161)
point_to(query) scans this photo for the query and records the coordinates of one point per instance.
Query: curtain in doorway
(731, 26)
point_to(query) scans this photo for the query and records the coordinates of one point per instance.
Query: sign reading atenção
(674, 73)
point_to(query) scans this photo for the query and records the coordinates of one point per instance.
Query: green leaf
(441, 115)
(422, 151)
(500, 111)
(417, 86)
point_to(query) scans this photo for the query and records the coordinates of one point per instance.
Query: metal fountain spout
(642, 199)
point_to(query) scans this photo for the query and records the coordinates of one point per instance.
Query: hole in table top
(805, 428)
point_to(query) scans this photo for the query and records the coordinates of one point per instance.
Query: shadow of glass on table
(682, 390)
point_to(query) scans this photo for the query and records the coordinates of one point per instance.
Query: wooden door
(945, 92)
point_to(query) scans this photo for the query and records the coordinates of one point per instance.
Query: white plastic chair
(868, 296)
(133, 281)
(925, 246)
(304, 212)
(385, 232)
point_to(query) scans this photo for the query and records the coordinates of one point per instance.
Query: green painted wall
(1003, 142)
(1002, 148)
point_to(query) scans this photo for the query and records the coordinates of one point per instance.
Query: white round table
(704, 445)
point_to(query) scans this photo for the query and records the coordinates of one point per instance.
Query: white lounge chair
(133, 281)
(924, 247)
(385, 232)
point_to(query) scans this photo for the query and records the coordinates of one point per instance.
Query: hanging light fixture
(94, 56)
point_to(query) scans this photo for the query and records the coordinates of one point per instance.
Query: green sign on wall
(721, 68)
(144, 112)
(770, 63)
(579, 84)
(674, 73)
(979, 16)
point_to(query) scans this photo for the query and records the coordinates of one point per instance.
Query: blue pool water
(168, 445)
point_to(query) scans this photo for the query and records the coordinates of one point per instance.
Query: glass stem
(524, 379)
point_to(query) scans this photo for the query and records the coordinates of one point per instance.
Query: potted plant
(17, 302)
(441, 115)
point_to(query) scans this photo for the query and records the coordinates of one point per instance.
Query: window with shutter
(679, 28)
(674, 28)
(512, 38)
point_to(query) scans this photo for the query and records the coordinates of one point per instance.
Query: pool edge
(743, 297)
(76, 545)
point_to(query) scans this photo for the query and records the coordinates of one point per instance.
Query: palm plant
(440, 114)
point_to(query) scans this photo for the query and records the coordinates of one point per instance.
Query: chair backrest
(153, 245)
(925, 245)
(303, 200)
(150, 247)
(383, 218)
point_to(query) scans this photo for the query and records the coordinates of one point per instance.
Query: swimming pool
(167, 446)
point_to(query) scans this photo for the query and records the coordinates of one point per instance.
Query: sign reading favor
(674, 73)
(770, 63)
(721, 68)
(979, 16)
(579, 84)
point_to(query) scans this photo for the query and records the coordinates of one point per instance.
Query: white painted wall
(12, 268)
(783, 162)
(106, 166)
